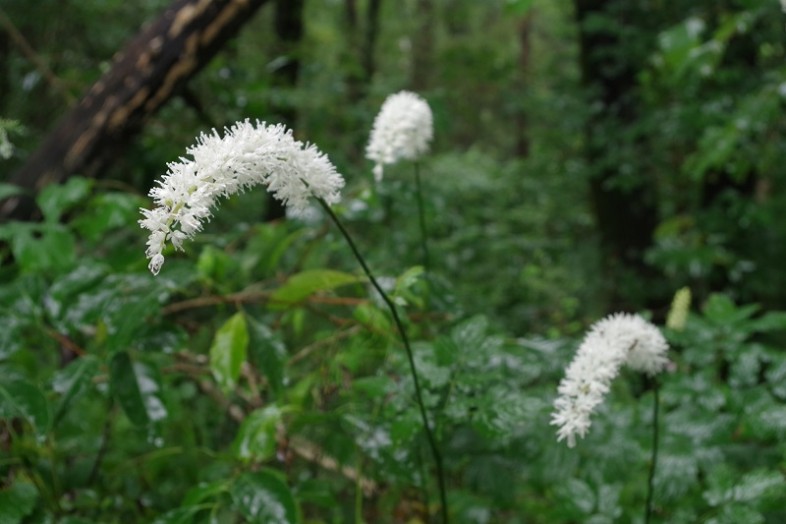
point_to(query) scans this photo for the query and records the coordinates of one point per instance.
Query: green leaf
(136, 387)
(518, 7)
(372, 317)
(215, 265)
(268, 353)
(184, 515)
(20, 398)
(108, 211)
(47, 247)
(770, 321)
(9, 190)
(17, 502)
(228, 351)
(403, 293)
(55, 199)
(302, 285)
(264, 497)
(203, 491)
(73, 381)
(256, 438)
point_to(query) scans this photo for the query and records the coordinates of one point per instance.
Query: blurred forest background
(590, 156)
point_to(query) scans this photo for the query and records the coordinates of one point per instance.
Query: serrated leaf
(9, 190)
(268, 353)
(56, 199)
(108, 211)
(256, 438)
(47, 247)
(205, 491)
(581, 494)
(136, 387)
(72, 381)
(469, 335)
(302, 285)
(373, 318)
(770, 321)
(264, 497)
(402, 292)
(17, 502)
(20, 398)
(184, 515)
(518, 7)
(229, 351)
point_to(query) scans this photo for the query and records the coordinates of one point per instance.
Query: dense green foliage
(259, 378)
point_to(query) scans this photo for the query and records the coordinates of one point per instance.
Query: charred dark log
(145, 74)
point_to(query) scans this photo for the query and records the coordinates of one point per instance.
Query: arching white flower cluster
(617, 340)
(402, 130)
(247, 155)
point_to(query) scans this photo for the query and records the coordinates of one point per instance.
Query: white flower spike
(247, 155)
(402, 130)
(616, 340)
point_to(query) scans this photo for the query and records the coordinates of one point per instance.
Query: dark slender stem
(410, 357)
(422, 214)
(103, 447)
(654, 458)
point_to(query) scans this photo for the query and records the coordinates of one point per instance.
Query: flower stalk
(422, 216)
(410, 357)
(654, 457)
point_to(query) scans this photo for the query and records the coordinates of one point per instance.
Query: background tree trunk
(289, 30)
(626, 213)
(144, 75)
(423, 45)
(525, 50)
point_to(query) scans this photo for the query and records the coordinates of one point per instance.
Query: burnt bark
(145, 74)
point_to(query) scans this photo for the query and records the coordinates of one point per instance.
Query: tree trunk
(372, 31)
(423, 46)
(626, 214)
(145, 74)
(361, 46)
(525, 46)
(289, 30)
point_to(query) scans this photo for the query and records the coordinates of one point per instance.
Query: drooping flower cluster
(247, 155)
(402, 130)
(617, 340)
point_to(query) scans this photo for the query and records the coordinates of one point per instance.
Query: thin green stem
(422, 214)
(654, 457)
(410, 357)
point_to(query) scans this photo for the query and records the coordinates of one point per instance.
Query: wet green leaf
(136, 387)
(256, 438)
(268, 353)
(46, 247)
(264, 497)
(229, 350)
(17, 501)
(20, 398)
(107, 211)
(56, 199)
(73, 381)
(302, 285)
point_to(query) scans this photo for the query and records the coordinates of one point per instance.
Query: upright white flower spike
(247, 155)
(616, 340)
(402, 130)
